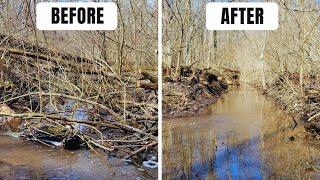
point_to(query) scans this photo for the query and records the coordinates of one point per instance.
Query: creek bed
(244, 135)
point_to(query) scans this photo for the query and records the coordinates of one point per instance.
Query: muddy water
(242, 136)
(26, 160)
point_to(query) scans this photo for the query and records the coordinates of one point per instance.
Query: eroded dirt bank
(194, 90)
(244, 135)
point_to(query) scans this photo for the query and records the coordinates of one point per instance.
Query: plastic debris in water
(68, 107)
(127, 160)
(79, 114)
(50, 109)
(150, 164)
(57, 144)
(54, 143)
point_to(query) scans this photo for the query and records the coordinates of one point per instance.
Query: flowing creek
(244, 135)
(21, 159)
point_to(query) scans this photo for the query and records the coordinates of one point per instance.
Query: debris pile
(65, 100)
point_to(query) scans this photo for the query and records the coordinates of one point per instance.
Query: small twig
(97, 144)
(314, 116)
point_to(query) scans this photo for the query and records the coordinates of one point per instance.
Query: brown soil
(183, 98)
(195, 90)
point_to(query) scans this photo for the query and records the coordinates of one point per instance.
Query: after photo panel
(240, 90)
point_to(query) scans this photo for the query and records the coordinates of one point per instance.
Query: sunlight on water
(242, 136)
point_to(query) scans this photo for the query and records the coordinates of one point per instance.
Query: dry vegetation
(193, 71)
(283, 63)
(97, 88)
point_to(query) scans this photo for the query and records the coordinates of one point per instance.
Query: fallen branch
(141, 149)
(97, 144)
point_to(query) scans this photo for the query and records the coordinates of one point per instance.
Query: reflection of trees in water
(237, 156)
(250, 144)
(281, 157)
(188, 154)
(286, 159)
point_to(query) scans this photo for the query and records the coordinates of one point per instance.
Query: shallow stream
(244, 135)
(21, 159)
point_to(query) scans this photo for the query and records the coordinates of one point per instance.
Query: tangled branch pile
(61, 99)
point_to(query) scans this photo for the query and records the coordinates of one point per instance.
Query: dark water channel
(242, 136)
(29, 160)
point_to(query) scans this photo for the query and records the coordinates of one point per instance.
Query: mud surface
(26, 160)
(188, 98)
(244, 135)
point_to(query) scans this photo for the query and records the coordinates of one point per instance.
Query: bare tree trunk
(262, 60)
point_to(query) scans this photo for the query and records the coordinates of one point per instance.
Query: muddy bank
(185, 98)
(194, 90)
(303, 104)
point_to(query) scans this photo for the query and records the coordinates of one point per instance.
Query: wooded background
(293, 48)
(122, 53)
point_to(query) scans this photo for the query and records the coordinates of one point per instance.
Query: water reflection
(244, 136)
(189, 152)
